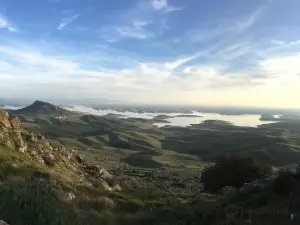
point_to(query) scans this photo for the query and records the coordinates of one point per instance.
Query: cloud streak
(67, 20)
(164, 6)
(136, 30)
(5, 24)
(147, 82)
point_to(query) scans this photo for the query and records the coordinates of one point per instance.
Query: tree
(234, 171)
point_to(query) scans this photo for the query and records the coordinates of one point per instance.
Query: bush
(234, 171)
(287, 183)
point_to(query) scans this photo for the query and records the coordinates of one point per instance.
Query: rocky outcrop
(70, 197)
(4, 119)
(11, 132)
(39, 149)
(258, 184)
(102, 178)
(15, 122)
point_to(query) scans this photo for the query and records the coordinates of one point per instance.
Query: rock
(258, 184)
(15, 122)
(104, 184)
(49, 159)
(15, 165)
(70, 197)
(32, 137)
(3, 223)
(9, 143)
(41, 137)
(18, 141)
(228, 190)
(40, 160)
(117, 187)
(4, 118)
(22, 149)
(33, 153)
(79, 158)
(104, 174)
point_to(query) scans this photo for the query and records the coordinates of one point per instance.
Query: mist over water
(238, 120)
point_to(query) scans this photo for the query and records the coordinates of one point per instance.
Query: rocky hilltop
(40, 107)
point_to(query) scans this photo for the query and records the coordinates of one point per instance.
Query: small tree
(234, 171)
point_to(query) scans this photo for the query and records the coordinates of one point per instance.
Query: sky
(169, 52)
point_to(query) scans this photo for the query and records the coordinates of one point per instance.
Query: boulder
(9, 143)
(15, 122)
(104, 184)
(3, 223)
(104, 174)
(16, 136)
(41, 137)
(70, 197)
(79, 158)
(33, 153)
(49, 159)
(258, 184)
(4, 118)
(32, 137)
(117, 187)
(22, 148)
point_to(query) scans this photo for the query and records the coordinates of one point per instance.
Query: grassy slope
(270, 143)
(26, 200)
(110, 140)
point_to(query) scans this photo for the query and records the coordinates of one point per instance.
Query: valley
(132, 171)
(139, 142)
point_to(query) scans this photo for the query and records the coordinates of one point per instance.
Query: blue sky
(193, 52)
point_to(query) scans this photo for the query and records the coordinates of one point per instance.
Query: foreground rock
(39, 149)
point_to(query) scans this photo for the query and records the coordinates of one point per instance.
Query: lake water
(238, 120)
(12, 107)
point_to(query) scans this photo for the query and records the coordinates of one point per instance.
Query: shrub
(286, 183)
(234, 171)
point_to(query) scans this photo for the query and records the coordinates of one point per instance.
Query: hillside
(42, 184)
(137, 142)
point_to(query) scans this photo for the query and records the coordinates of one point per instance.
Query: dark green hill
(42, 108)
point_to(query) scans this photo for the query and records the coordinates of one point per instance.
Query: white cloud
(160, 4)
(225, 29)
(280, 44)
(179, 62)
(248, 21)
(173, 9)
(5, 24)
(286, 69)
(67, 20)
(156, 82)
(163, 5)
(135, 30)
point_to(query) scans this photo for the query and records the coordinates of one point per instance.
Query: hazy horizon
(227, 53)
(21, 103)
